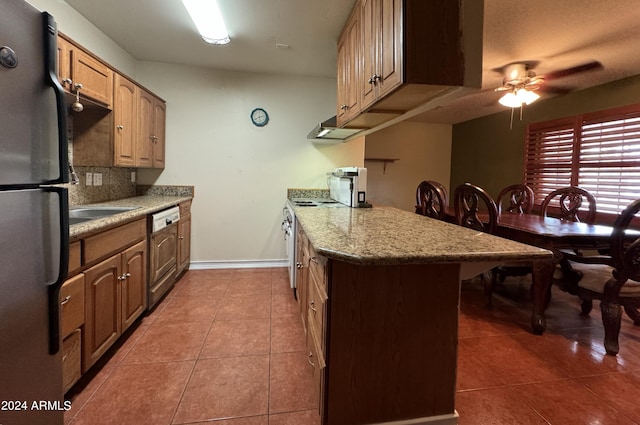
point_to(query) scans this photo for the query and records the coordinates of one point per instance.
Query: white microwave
(348, 185)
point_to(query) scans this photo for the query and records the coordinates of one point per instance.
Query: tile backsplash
(116, 184)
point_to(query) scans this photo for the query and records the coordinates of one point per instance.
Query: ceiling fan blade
(589, 66)
(556, 90)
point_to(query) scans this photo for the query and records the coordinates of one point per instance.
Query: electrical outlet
(97, 179)
(88, 179)
(133, 177)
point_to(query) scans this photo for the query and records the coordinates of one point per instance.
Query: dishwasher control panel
(164, 218)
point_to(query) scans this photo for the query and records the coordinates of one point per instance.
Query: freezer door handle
(54, 288)
(51, 76)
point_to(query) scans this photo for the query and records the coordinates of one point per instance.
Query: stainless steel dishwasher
(163, 244)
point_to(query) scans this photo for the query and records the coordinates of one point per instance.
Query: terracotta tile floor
(226, 347)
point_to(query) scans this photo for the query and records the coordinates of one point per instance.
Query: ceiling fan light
(527, 96)
(510, 100)
(206, 16)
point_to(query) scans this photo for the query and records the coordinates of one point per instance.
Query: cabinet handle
(312, 305)
(120, 127)
(67, 81)
(309, 359)
(299, 265)
(372, 80)
(181, 237)
(66, 300)
(126, 275)
(376, 78)
(344, 107)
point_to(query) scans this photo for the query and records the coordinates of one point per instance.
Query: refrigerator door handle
(54, 288)
(51, 76)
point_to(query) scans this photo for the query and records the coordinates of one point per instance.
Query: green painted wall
(486, 153)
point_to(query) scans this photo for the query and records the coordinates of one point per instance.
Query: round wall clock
(259, 117)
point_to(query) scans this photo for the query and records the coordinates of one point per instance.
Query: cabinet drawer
(75, 257)
(317, 265)
(317, 365)
(106, 243)
(72, 304)
(71, 359)
(316, 310)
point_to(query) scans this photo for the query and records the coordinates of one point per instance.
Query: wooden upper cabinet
(64, 63)
(381, 49)
(411, 51)
(144, 149)
(124, 109)
(151, 130)
(348, 69)
(81, 67)
(159, 123)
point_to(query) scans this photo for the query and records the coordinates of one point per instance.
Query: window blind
(599, 152)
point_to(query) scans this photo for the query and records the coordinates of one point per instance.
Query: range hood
(329, 131)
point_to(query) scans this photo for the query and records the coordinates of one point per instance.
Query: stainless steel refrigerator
(34, 230)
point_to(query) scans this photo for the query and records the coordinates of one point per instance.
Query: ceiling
(299, 37)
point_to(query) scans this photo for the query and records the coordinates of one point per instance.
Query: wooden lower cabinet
(184, 237)
(115, 297)
(134, 286)
(381, 339)
(71, 323)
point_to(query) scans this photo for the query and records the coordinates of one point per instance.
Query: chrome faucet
(72, 175)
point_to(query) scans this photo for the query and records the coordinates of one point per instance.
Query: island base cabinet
(391, 346)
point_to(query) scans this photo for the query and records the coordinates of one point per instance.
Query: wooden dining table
(555, 235)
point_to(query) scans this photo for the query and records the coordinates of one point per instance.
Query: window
(599, 152)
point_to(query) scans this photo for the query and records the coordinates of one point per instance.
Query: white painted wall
(241, 172)
(423, 152)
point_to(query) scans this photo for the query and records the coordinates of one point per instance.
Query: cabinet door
(368, 23)
(144, 143)
(184, 242)
(96, 78)
(348, 70)
(159, 117)
(124, 110)
(102, 309)
(134, 286)
(389, 57)
(64, 62)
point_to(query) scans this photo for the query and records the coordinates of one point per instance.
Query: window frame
(557, 151)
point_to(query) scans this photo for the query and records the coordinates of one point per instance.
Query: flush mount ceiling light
(205, 14)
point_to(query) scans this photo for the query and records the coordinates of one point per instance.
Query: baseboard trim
(239, 264)
(451, 419)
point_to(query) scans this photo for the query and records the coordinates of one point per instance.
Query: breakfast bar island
(378, 290)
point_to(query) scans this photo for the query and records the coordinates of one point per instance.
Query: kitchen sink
(82, 214)
(95, 212)
(78, 220)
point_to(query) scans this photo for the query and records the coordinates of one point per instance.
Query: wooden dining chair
(474, 208)
(431, 199)
(520, 198)
(570, 202)
(514, 199)
(613, 279)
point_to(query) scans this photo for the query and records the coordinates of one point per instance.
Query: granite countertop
(146, 204)
(386, 235)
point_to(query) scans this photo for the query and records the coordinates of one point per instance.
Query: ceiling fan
(520, 82)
